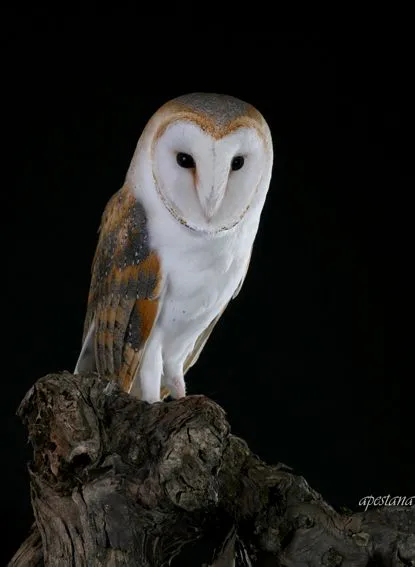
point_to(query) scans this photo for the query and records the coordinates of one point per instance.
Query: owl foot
(177, 387)
(164, 393)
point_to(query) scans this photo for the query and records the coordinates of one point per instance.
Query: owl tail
(86, 361)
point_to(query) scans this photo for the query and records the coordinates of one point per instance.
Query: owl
(175, 242)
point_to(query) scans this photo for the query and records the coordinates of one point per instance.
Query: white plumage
(176, 241)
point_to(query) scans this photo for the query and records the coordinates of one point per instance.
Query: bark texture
(119, 482)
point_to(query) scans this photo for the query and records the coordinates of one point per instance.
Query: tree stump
(116, 481)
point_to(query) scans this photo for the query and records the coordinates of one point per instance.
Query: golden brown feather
(125, 289)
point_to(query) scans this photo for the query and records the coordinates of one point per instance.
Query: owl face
(209, 158)
(208, 183)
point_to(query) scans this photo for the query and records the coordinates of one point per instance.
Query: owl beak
(212, 201)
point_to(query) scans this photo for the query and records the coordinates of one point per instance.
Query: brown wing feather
(125, 289)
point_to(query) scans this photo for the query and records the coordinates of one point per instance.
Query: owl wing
(203, 337)
(241, 283)
(124, 295)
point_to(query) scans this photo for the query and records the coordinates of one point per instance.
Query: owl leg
(174, 381)
(149, 374)
(177, 387)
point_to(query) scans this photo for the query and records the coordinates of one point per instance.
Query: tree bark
(116, 481)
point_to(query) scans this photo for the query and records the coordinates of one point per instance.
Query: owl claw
(164, 393)
(177, 387)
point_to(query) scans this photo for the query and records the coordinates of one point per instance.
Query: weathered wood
(116, 481)
(30, 553)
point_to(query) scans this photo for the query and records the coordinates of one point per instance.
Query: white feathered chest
(201, 277)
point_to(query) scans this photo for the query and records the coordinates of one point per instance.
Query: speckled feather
(125, 288)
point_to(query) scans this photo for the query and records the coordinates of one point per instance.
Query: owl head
(209, 157)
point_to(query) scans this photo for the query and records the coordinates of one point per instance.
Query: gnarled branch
(116, 481)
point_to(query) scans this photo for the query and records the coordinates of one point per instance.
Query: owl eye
(185, 160)
(237, 163)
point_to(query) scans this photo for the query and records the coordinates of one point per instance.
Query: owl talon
(177, 388)
(164, 393)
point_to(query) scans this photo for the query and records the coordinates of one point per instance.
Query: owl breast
(201, 277)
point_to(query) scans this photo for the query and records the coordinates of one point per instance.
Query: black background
(297, 361)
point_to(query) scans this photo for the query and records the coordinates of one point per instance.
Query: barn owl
(175, 242)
